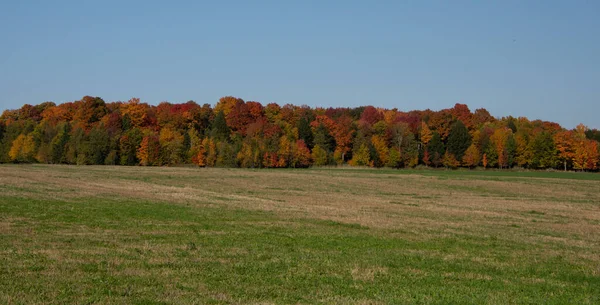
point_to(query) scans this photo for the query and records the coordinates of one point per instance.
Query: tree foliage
(236, 133)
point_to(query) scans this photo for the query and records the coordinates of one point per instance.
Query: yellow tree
(362, 157)
(500, 139)
(136, 111)
(319, 156)
(245, 156)
(523, 150)
(211, 151)
(22, 149)
(580, 149)
(381, 148)
(285, 154)
(426, 133)
(171, 145)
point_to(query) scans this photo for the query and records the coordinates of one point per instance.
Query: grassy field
(134, 235)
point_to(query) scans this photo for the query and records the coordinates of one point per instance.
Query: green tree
(98, 145)
(362, 157)
(319, 156)
(491, 154)
(544, 151)
(436, 149)
(305, 132)
(458, 140)
(59, 142)
(220, 130)
(128, 145)
(323, 138)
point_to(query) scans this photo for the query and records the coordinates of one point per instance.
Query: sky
(539, 59)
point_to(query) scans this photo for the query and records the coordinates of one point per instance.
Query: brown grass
(558, 211)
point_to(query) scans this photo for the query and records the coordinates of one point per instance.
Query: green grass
(117, 250)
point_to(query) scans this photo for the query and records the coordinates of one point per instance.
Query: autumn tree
(449, 160)
(149, 150)
(226, 104)
(564, 142)
(382, 150)
(426, 157)
(22, 149)
(500, 141)
(171, 146)
(523, 153)
(238, 133)
(484, 161)
(300, 155)
(472, 156)
(425, 133)
(134, 112)
(211, 151)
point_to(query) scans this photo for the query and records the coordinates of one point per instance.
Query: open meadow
(150, 235)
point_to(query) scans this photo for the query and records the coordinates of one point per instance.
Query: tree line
(236, 133)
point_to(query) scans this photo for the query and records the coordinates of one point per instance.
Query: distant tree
(394, 159)
(449, 160)
(97, 145)
(304, 132)
(220, 130)
(472, 156)
(59, 142)
(301, 155)
(459, 140)
(171, 146)
(22, 149)
(319, 156)
(211, 151)
(426, 157)
(500, 140)
(149, 150)
(491, 153)
(436, 149)
(564, 141)
(362, 157)
(381, 149)
(425, 133)
(323, 138)
(544, 151)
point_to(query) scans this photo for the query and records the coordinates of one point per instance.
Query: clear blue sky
(539, 59)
